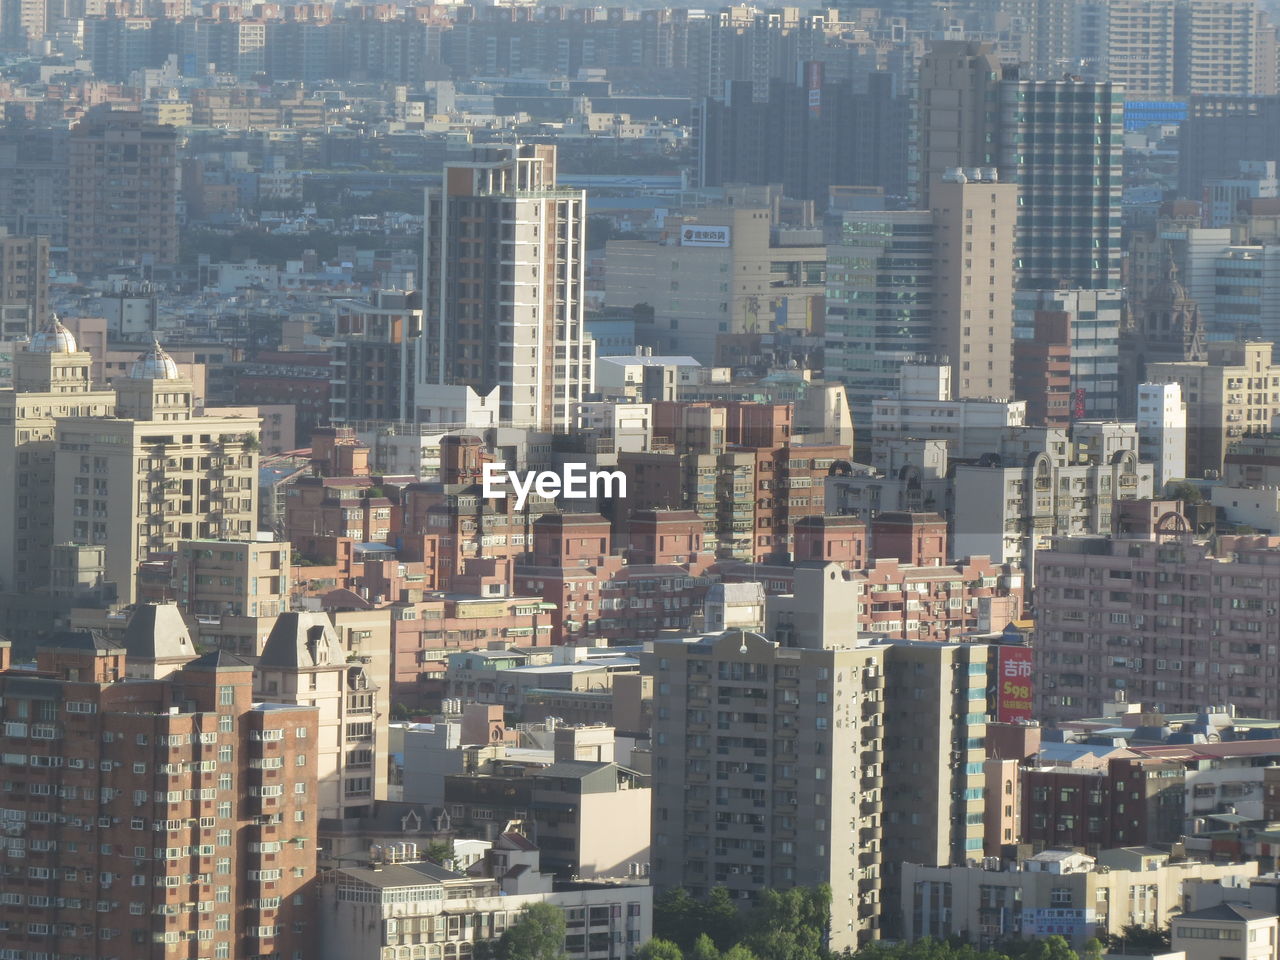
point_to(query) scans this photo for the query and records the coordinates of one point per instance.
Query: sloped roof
(156, 631)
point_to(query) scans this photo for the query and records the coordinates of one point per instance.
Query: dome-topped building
(53, 337)
(155, 364)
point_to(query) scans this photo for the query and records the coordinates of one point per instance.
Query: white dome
(155, 364)
(53, 338)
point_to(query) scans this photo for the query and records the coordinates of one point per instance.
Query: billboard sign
(694, 235)
(1013, 690)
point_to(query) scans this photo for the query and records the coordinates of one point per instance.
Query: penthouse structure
(153, 809)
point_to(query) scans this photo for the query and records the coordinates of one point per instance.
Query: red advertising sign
(1013, 693)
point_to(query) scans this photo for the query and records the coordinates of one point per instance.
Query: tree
(658, 949)
(790, 924)
(1184, 491)
(537, 935)
(1133, 938)
(704, 948)
(721, 919)
(677, 918)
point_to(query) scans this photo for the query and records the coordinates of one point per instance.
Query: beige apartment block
(231, 591)
(306, 663)
(51, 380)
(816, 757)
(959, 106)
(1233, 394)
(1247, 932)
(156, 473)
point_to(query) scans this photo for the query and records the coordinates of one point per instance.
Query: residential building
(1165, 620)
(1229, 395)
(24, 285)
(1201, 934)
(1042, 365)
(728, 806)
(503, 306)
(421, 908)
(177, 787)
(306, 663)
(51, 380)
(122, 200)
(925, 407)
(374, 358)
(1057, 892)
(155, 473)
(1162, 431)
(974, 259)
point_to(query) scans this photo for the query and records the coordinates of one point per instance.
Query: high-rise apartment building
(1162, 431)
(160, 816)
(51, 380)
(155, 473)
(122, 199)
(774, 759)
(24, 285)
(1230, 395)
(1061, 142)
(504, 298)
(373, 358)
(973, 263)
(22, 22)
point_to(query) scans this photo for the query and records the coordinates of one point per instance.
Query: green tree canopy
(537, 935)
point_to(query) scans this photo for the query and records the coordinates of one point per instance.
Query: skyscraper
(1062, 143)
(122, 205)
(503, 295)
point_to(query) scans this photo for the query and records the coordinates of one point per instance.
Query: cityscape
(521, 480)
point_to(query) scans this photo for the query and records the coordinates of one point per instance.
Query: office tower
(1220, 133)
(791, 761)
(155, 473)
(1061, 142)
(1093, 320)
(879, 303)
(165, 815)
(973, 251)
(304, 662)
(51, 380)
(959, 110)
(122, 200)
(1162, 431)
(1229, 395)
(24, 285)
(808, 136)
(721, 278)
(503, 297)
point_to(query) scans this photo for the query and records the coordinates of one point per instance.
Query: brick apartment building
(151, 808)
(738, 467)
(1166, 620)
